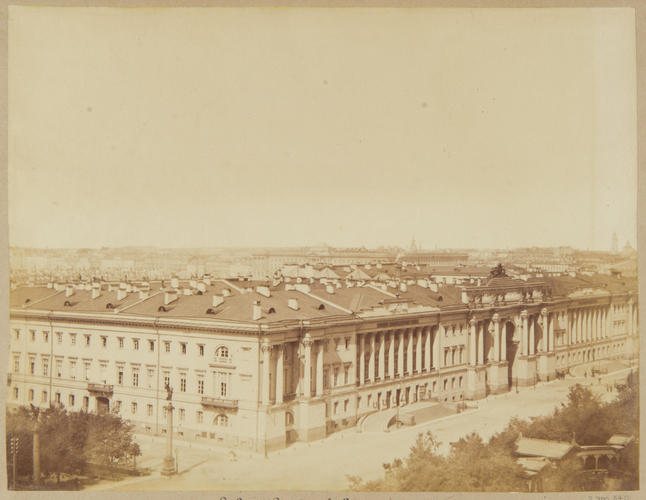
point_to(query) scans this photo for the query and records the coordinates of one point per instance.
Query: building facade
(260, 366)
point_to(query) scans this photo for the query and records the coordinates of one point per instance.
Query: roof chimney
(226, 292)
(96, 290)
(257, 311)
(170, 296)
(217, 300)
(69, 290)
(174, 283)
(207, 279)
(329, 289)
(263, 290)
(292, 304)
(201, 287)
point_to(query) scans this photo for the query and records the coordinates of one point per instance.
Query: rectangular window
(200, 386)
(151, 345)
(135, 378)
(223, 389)
(183, 348)
(336, 376)
(345, 406)
(182, 414)
(201, 349)
(167, 346)
(120, 342)
(87, 340)
(57, 397)
(346, 374)
(31, 394)
(71, 400)
(200, 417)
(117, 406)
(45, 368)
(32, 367)
(135, 344)
(166, 380)
(16, 365)
(336, 407)
(59, 337)
(120, 376)
(182, 384)
(149, 410)
(86, 370)
(17, 332)
(45, 337)
(104, 341)
(16, 393)
(347, 343)
(72, 369)
(59, 368)
(133, 408)
(86, 402)
(33, 335)
(73, 338)
(43, 397)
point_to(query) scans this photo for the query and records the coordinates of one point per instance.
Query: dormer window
(272, 310)
(321, 307)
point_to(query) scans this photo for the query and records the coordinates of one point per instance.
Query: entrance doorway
(102, 405)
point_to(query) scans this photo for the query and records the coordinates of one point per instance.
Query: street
(324, 465)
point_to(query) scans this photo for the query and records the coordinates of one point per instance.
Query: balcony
(100, 389)
(222, 362)
(230, 404)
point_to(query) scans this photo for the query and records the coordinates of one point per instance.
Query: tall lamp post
(169, 462)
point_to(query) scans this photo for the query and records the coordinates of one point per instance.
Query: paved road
(324, 465)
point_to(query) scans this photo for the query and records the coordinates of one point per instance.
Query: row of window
(221, 378)
(220, 420)
(221, 352)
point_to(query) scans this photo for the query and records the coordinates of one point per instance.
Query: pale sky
(277, 127)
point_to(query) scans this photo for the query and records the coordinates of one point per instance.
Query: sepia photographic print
(322, 252)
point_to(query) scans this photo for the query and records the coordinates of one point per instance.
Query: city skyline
(520, 135)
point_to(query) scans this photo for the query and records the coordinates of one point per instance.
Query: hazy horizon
(357, 127)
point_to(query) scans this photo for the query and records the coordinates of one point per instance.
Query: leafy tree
(70, 441)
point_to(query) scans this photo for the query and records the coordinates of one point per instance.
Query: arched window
(272, 310)
(321, 307)
(289, 418)
(222, 352)
(221, 420)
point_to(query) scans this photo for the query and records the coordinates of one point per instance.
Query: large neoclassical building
(259, 365)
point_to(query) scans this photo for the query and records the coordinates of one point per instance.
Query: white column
(409, 352)
(279, 375)
(391, 355)
(480, 343)
(400, 354)
(532, 342)
(427, 349)
(436, 349)
(382, 356)
(472, 342)
(266, 351)
(307, 375)
(319, 367)
(524, 338)
(503, 342)
(362, 360)
(371, 359)
(579, 326)
(496, 338)
(353, 372)
(418, 353)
